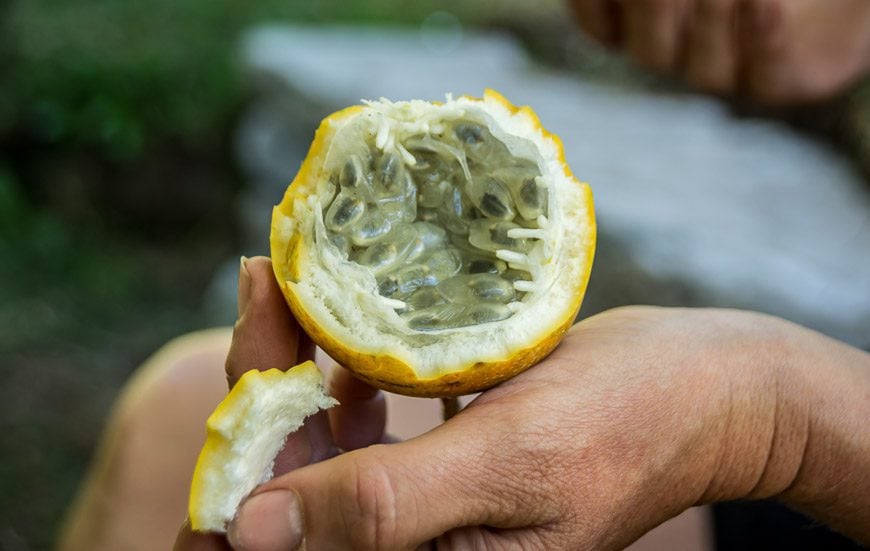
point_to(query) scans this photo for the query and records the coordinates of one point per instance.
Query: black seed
(388, 287)
(349, 175)
(493, 207)
(499, 236)
(529, 194)
(346, 212)
(470, 133)
(388, 171)
(482, 267)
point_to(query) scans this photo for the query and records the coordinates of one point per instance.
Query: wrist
(794, 425)
(832, 381)
(756, 444)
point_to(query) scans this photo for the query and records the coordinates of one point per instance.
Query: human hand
(638, 415)
(776, 52)
(266, 335)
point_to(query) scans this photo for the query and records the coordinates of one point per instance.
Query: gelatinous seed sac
(468, 250)
(431, 193)
(479, 144)
(424, 161)
(456, 212)
(404, 237)
(400, 204)
(388, 174)
(491, 287)
(482, 265)
(344, 211)
(431, 168)
(516, 275)
(399, 211)
(444, 264)
(492, 236)
(425, 214)
(351, 172)
(520, 178)
(405, 280)
(476, 287)
(531, 199)
(356, 177)
(515, 172)
(380, 257)
(424, 297)
(491, 198)
(426, 144)
(429, 237)
(486, 312)
(370, 228)
(388, 287)
(451, 316)
(470, 133)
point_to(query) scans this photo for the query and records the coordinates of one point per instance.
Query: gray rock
(695, 207)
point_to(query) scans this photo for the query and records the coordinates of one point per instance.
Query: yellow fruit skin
(216, 442)
(385, 371)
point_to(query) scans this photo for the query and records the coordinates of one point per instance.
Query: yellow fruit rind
(216, 441)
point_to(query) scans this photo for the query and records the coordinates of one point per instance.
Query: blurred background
(142, 145)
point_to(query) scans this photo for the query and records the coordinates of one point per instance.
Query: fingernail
(271, 520)
(244, 285)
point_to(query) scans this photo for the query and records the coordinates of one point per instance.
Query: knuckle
(368, 502)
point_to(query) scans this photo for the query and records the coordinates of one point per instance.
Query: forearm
(830, 383)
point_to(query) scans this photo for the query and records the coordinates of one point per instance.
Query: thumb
(392, 496)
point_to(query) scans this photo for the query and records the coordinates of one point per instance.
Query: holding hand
(639, 414)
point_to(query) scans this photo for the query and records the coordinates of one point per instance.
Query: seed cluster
(443, 221)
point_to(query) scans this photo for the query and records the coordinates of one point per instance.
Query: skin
(775, 52)
(638, 415)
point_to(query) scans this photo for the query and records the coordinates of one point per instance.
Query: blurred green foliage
(120, 74)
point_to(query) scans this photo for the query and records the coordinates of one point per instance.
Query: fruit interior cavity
(444, 220)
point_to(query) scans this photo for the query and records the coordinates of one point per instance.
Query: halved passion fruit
(435, 249)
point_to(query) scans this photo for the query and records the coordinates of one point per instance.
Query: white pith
(249, 435)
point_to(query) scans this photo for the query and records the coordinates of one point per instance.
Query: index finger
(266, 334)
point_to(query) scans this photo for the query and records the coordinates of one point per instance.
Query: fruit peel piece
(244, 435)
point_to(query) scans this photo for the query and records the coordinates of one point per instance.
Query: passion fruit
(434, 249)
